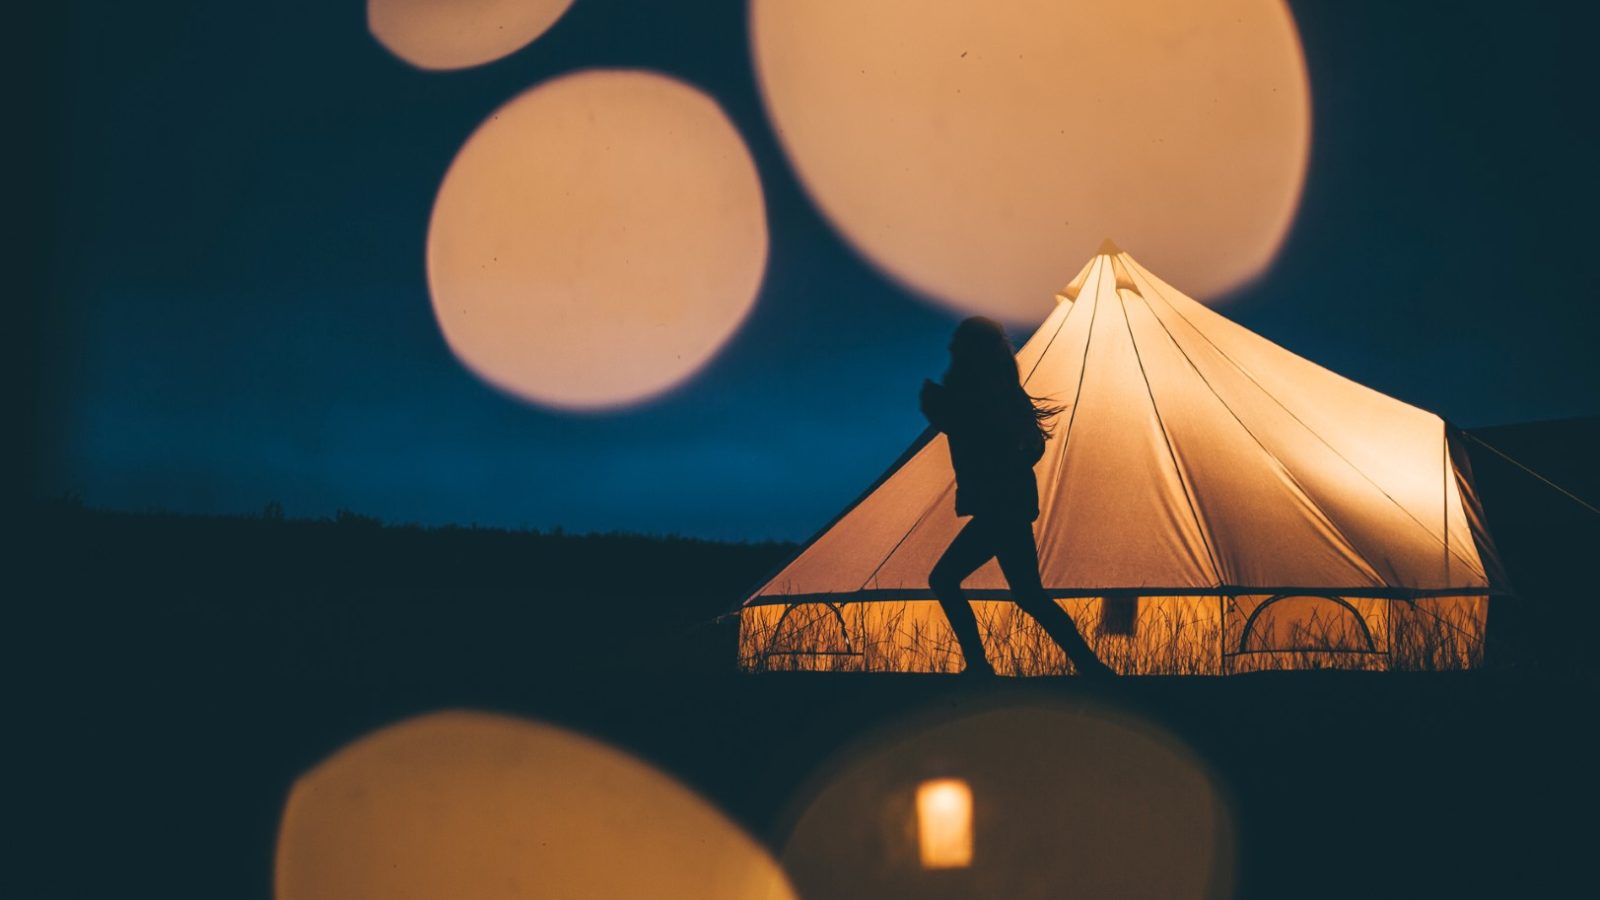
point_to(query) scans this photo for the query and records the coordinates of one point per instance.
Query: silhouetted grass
(1170, 636)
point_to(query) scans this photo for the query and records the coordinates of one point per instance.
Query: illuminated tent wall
(1211, 503)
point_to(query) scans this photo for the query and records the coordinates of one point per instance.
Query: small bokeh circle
(457, 34)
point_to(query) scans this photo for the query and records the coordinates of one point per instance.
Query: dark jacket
(994, 443)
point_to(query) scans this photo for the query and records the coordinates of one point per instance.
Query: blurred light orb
(597, 240)
(456, 34)
(944, 823)
(1022, 799)
(977, 152)
(470, 805)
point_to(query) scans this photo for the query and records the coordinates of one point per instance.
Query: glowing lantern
(944, 823)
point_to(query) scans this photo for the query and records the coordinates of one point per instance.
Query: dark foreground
(1341, 785)
(175, 676)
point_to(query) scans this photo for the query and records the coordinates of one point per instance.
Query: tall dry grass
(1170, 636)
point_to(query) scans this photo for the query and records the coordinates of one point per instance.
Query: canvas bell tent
(1209, 503)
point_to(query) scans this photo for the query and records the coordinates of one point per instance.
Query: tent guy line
(1551, 484)
(1290, 412)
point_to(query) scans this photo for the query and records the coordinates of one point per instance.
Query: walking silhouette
(996, 433)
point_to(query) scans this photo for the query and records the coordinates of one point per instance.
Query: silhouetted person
(996, 433)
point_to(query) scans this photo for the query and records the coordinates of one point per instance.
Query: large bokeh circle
(472, 805)
(978, 152)
(597, 239)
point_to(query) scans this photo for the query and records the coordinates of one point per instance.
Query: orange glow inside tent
(1210, 503)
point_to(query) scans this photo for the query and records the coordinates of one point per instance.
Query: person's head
(981, 359)
(981, 355)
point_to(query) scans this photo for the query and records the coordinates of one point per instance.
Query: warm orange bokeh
(1057, 800)
(459, 804)
(455, 34)
(597, 239)
(974, 150)
(944, 823)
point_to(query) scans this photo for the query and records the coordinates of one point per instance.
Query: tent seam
(1343, 538)
(1050, 343)
(914, 525)
(1077, 394)
(1188, 495)
(912, 451)
(1270, 396)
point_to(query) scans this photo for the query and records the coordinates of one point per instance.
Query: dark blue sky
(235, 310)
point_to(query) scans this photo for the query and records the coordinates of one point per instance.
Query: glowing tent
(1210, 503)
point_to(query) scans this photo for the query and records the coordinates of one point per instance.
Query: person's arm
(935, 404)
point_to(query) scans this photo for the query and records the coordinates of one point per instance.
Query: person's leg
(970, 550)
(1019, 560)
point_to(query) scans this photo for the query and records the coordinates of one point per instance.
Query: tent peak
(1108, 247)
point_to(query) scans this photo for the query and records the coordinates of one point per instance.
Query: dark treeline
(351, 597)
(354, 551)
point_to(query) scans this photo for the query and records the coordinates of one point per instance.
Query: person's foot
(979, 669)
(1092, 669)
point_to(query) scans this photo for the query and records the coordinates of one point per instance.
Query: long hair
(982, 361)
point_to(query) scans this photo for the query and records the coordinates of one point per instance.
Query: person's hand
(928, 398)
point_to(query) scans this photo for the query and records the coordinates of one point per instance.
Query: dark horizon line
(71, 503)
(272, 511)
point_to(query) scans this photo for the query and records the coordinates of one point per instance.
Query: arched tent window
(1306, 623)
(808, 636)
